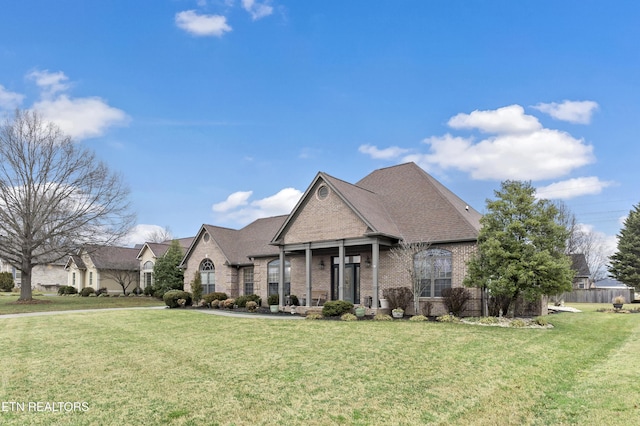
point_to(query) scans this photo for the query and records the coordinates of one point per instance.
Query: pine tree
(625, 263)
(166, 272)
(520, 247)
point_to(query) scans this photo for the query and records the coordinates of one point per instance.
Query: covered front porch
(345, 269)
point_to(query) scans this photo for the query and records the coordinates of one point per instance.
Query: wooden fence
(595, 295)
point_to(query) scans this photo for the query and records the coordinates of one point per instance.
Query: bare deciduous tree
(582, 240)
(124, 278)
(405, 253)
(160, 235)
(54, 196)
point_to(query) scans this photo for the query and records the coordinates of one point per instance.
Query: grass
(186, 368)
(8, 303)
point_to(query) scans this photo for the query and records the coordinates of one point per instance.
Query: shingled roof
(114, 258)
(160, 249)
(403, 202)
(238, 245)
(419, 206)
(579, 265)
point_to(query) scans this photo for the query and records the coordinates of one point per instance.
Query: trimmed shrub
(171, 298)
(398, 297)
(455, 299)
(348, 317)
(447, 318)
(102, 290)
(251, 306)
(67, 289)
(215, 304)
(228, 304)
(313, 317)
(215, 296)
(541, 321)
(85, 292)
(294, 300)
(148, 291)
(6, 281)
(382, 317)
(335, 308)
(517, 323)
(488, 320)
(242, 301)
(418, 318)
(273, 299)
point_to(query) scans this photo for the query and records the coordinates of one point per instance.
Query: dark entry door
(351, 279)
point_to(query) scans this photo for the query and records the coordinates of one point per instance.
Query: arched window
(208, 276)
(274, 277)
(433, 269)
(147, 273)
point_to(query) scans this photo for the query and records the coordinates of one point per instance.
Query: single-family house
(115, 268)
(150, 252)
(335, 244)
(46, 277)
(582, 277)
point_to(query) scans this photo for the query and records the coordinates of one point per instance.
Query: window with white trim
(208, 276)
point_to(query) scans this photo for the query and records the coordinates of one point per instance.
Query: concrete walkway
(72, 311)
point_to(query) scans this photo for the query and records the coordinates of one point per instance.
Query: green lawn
(8, 303)
(183, 367)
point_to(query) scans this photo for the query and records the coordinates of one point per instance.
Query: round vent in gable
(323, 192)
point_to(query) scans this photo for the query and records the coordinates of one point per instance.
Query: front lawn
(186, 367)
(8, 303)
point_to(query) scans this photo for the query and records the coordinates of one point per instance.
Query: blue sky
(222, 111)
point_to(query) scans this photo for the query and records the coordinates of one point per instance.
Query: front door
(351, 279)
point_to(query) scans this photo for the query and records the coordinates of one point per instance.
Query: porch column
(281, 278)
(309, 262)
(375, 260)
(340, 270)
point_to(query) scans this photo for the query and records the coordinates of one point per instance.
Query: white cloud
(578, 112)
(507, 120)
(572, 188)
(81, 118)
(382, 154)
(139, 234)
(202, 25)
(233, 201)
(238, 209)
(9, 100)
(542, 154)
(257, 10)
(50, 82)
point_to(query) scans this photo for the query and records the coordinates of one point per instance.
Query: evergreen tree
(520, 247)
(196, 287)
(167, 275)
(625, 263)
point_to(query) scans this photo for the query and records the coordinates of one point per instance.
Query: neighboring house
(150, 252)
(15, 273)
(104, 267)
(581, 279)
(337, 239)
(48, 277)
